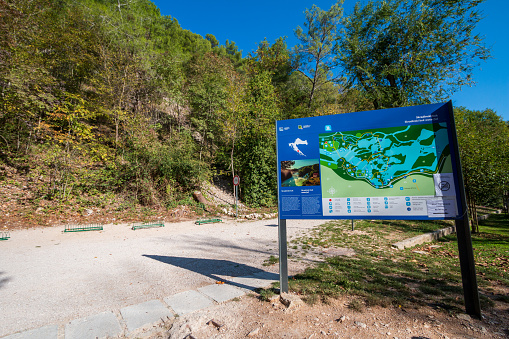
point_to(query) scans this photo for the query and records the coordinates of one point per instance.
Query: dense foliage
(411, 52)
(483, 138)
(100, 97)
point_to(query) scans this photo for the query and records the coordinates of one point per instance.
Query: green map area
(394, 161)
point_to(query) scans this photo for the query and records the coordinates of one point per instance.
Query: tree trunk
(473, 214)
(233, 170)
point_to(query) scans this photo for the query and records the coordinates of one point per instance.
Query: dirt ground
(252, 318)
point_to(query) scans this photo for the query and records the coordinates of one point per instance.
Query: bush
(258, 171)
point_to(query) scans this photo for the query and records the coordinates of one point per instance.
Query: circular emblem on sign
(444, 186)
(332, 191)
(236, 180)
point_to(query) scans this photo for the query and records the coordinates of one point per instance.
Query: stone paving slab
(222, 292)
(46, 332)
(96, 326)
(188, 301)
(147, 313)
(422, 238)
(106, 324)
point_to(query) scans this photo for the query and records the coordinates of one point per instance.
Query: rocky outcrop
(200, 198)
(285, 174)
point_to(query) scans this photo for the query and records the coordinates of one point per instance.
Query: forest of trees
(102, 97)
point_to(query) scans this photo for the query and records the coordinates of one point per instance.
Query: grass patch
(271, 261)
(381, 275)
(266, 294)
(491, 249)
(356, 305)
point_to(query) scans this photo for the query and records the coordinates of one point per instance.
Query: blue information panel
(385, 164)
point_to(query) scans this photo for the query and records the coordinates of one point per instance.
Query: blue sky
(248, 22)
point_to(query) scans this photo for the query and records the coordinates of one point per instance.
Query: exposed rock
(341, 319)
(463, 316)
(291, 301)
(285, 174)
(254, 332)
(272, 299)
(215, 323)
(200, 198)
(361, 325)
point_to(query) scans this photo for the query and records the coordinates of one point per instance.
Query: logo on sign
(444, 186)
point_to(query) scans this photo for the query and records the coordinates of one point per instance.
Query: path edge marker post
(465, 248)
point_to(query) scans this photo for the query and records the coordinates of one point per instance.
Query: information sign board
(386, 164)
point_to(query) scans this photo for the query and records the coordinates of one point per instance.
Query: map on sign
(392, 161)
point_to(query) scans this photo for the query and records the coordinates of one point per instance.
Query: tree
(207, 93)
(212, 39)
(47, 52)
(229, 50)
(233, 115)
(409, 52)
(483, 139)
(170, 82)
(257, 146)
(274, 59)
(315, 56)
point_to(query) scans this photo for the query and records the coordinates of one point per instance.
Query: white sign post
(236, 182)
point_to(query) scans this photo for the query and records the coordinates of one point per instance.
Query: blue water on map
(388, 157)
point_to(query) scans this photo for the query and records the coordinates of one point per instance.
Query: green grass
(266, 294)
(271, 261)
(381, 275)
(491, 249)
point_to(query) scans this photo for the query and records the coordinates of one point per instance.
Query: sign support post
(465, 249)
(467, 264)
(283, 256)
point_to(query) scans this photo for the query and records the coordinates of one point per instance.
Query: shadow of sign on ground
(215, 268)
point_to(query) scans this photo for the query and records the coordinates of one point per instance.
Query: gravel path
(51, 277)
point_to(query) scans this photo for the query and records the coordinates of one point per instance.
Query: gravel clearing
(50, 277)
